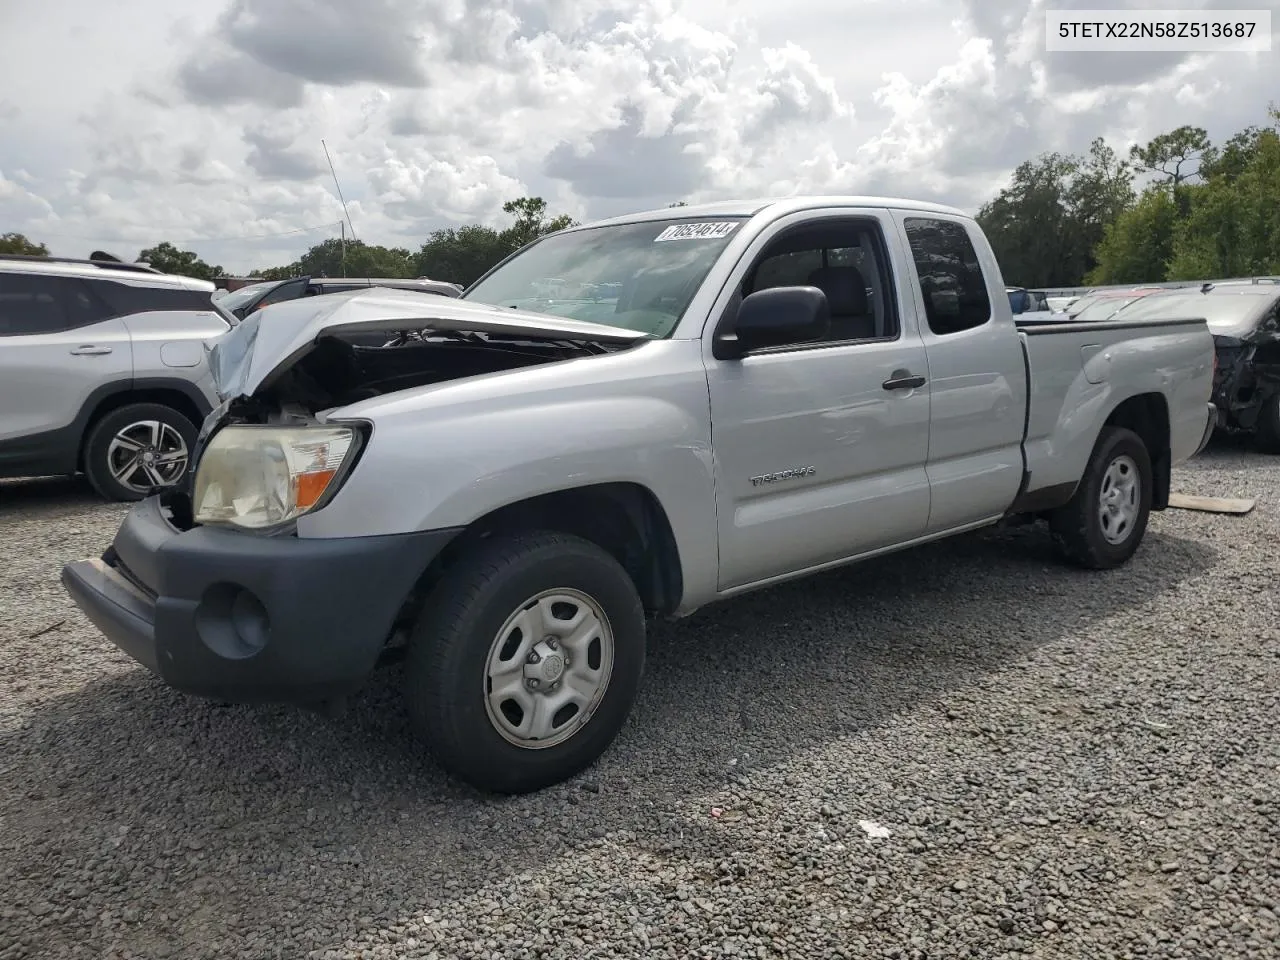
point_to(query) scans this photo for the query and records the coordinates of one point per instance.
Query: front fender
(451, 465)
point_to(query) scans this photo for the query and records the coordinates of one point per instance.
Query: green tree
(531, 221)
(1099, 192)
(277, 273)
(1029, 226)
(355, 258)
(167, 258)
(16, 243)
(461, 255)
(1174, 156)
(1136, 247)
(1233, 226)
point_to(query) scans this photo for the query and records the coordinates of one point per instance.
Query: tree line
(1204, 211)
(1176, 208)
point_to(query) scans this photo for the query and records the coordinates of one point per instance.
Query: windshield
(1074, 308)
(1227, 312)
(1104, 308)
(238, 298)
(640, 276)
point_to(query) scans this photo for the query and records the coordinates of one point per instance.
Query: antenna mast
(339, 186)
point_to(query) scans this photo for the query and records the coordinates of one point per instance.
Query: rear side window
(952, 283)
(291, 290)
(31, 304)
(122, 299)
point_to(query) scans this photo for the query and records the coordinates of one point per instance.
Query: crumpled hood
(272, 339)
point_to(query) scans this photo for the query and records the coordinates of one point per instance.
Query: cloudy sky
(129, 122)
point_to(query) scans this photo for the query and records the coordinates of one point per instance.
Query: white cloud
(204, 127)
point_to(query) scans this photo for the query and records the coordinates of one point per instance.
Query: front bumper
(248, 618)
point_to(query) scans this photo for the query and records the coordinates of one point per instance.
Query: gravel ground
(966, 751)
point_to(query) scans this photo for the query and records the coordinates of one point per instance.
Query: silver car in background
(103, 371)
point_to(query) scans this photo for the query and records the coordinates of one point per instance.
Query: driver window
(847, 262)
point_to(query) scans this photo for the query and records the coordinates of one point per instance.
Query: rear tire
(1104, 523)
(136, 444)
(512, 633)
(1267, 431)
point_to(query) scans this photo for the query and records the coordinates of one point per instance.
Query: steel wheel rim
(555, 652)
(147, 454)
(1119, 500)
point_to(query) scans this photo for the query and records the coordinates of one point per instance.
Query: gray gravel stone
(1066, 765)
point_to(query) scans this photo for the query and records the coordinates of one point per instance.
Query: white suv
(103, 371)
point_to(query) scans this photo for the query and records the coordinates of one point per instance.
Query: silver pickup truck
(624, 420)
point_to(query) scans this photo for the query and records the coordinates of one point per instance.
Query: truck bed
(1076, 372)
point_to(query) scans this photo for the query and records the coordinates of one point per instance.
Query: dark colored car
(1022, 300)
(240, 303)
(1244, 318)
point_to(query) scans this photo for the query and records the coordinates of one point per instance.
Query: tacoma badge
(791, 474)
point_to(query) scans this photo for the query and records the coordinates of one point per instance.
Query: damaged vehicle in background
(707, 401)
(1244, 319)
(244, 301)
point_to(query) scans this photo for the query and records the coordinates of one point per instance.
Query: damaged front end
(1246, 378)
(285, 365)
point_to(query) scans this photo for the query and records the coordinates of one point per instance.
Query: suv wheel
(135, 449)
(526, 661)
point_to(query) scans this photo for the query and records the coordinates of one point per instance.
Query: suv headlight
(258, 477)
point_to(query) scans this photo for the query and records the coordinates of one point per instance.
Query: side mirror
(777, 317)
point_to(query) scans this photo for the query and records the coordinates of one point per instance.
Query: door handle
(903, 382)
(89, 350)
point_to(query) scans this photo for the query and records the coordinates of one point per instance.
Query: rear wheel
(1105, 521)
(526, 661)
(1267, 432)
(136, 449)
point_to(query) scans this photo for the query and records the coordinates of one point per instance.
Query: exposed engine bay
(344, 369)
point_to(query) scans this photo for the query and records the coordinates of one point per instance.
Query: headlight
(259, 477)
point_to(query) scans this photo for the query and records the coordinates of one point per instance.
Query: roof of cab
(749, 208)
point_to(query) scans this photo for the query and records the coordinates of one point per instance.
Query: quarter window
(952, 283)
(123, 299)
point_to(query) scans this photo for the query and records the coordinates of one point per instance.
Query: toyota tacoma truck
(502, 490)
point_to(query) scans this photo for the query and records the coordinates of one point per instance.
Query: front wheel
(1267, 431)
(1105, 521)
(525, 662)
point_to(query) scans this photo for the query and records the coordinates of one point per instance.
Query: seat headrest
(845, 288)
(647, 288)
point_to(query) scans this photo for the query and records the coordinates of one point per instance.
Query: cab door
(820, 448)
(977, 371)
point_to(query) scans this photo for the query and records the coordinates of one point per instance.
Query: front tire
(1103, 525)
(136, 447)
(526, 661)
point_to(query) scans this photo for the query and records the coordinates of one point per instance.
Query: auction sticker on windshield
(696, 231)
